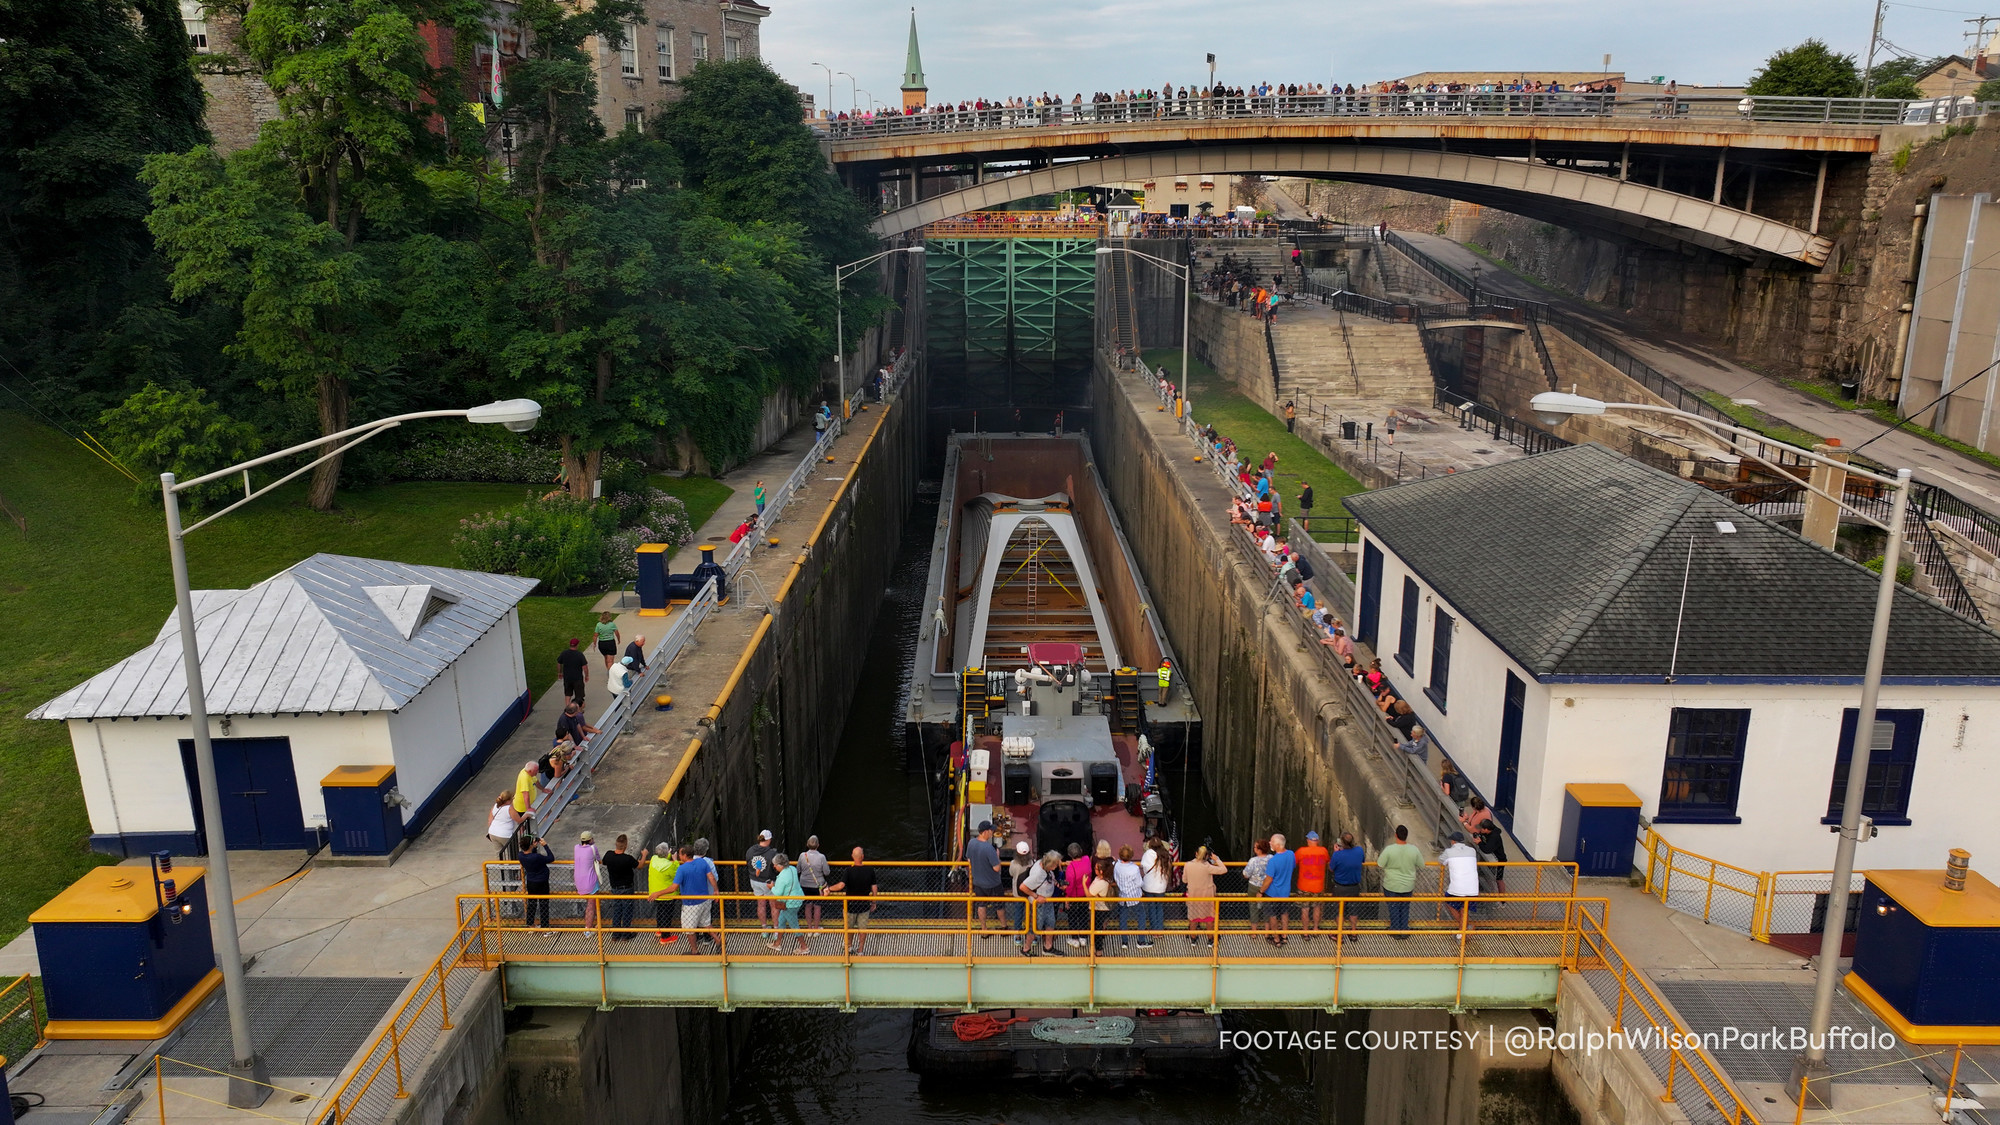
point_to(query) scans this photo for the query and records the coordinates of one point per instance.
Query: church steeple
(914, 90)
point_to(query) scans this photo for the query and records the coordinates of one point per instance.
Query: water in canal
(815, 1067)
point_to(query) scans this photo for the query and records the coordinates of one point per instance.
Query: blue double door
(260, 794)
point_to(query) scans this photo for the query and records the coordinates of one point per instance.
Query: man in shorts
(757, 861)
(858, 883)
(698, 886)
(1311, 864)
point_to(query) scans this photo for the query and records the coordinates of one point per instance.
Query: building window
(701, 46)
(732, 48)
(1704, 764)
(628, 53)
(1177, 210)
(1441, 626)
(635, 118)
(196, 22)
(1892, 762)
(1406, 640)
(663, 48)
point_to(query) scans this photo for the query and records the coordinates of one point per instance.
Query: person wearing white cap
(758, 862)
(1024, 862)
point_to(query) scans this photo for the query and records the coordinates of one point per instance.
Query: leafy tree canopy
(162, 429)
(1897, 78)
(1809, 70)
(87, 89)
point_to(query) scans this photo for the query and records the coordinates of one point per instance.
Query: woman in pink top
(1076, 888)
(1199, 874)
(586, 876)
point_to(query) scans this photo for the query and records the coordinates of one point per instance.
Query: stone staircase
(1263, 256)
(1362, 361)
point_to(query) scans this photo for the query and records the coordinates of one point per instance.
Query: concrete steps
(1375, 362)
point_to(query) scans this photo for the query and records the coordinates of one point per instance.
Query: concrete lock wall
(1232, 344)
(1278, 750)
(762, 764)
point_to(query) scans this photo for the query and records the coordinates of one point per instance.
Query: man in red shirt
(1312, 860)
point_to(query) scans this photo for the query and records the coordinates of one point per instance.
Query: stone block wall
(1233, 345)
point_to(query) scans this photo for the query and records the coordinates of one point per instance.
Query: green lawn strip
(702, 495)
(1885, 410)
(1257, 432)
(88, 584)
(1749, 417)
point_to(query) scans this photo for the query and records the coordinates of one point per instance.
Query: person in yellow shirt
(661, 866)
(526, 785)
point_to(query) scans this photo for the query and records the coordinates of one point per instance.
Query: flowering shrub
(569, 543)
(558, 539)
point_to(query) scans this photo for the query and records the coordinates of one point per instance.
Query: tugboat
(1035, 696)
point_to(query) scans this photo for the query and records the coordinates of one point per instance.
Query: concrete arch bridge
(1759, 190)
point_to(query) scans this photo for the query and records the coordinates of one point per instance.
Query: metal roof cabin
(337, 661)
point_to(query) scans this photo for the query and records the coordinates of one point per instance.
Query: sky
(1000, 48)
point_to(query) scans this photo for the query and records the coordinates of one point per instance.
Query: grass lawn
(702, 495)
(88, 584)
(1257, 432)
(1751, 418)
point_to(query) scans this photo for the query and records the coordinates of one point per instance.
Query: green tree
(161, 429)
(1897, 78)
(307, 229)
(1988, 91)
(1809, 70)
(87, 89)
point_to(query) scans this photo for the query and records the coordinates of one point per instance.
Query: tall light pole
(840, 276)
(853, 91)
(248, 1078)
(1809, 1069)
(1187, 299)
(829, 87)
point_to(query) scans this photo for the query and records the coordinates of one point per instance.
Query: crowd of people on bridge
(1219, 100)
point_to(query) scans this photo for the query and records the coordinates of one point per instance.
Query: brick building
(634, 76)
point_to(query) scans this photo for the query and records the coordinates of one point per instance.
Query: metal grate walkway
(305, 1027)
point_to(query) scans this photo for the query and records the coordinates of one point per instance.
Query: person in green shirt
(785, 888)
(661, 865)
(1399, 864)
(607, 638)
(757, 494)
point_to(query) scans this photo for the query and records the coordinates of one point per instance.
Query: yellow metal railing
(21, 1018)
(422, 1018)
(1638, 1010)
(1756, 904)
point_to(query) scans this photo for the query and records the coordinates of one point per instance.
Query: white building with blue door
(337, 661)
(1578, 617)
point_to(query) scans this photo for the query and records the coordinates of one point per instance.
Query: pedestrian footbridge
(934, 949)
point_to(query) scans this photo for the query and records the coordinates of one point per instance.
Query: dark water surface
(815, 1067)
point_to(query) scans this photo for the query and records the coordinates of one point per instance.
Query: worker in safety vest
(1166, 679)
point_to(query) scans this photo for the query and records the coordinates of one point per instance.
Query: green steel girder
(1014, 312)
(1043, 982)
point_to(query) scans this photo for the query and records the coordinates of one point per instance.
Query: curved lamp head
(1107, 250)
(1553, 408)
(517, 414)
(918, 249)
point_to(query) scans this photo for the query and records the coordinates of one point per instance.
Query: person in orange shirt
(1312, 860)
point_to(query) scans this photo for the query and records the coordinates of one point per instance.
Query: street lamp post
(1187, 299)
(248, 1078)
(1810, 1075)
(829, 88)
(840, 276)
(853, 91)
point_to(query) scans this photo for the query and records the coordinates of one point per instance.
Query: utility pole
(1874, 38)
(1979, 35)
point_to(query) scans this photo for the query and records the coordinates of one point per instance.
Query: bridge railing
(727, 926)
(925, 877)
(1464, 103)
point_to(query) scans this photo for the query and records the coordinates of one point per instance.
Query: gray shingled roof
(1572, 562)
(329, 634)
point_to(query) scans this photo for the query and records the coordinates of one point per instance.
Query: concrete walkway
(1699, 367)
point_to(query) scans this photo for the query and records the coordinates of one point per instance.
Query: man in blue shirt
(697, 884)
(988, 878)
(1344, 872)
(1278, 885)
